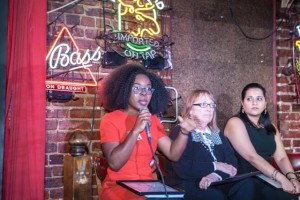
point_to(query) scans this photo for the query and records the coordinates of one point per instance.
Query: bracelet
(184, 133)
(286, 175)
(274, 174)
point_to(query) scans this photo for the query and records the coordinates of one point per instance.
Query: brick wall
(84, 113)
(288, 105)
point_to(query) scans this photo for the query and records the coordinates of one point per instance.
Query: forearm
(121, 153)
(178, 146)
(262, 165)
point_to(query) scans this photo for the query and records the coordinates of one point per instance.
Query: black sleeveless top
(263, 143)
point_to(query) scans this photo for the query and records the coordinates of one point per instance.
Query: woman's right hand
(143, 118)
(226, 168)
(286, 184)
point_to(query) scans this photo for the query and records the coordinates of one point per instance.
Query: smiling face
(140, 95)
(203, 111)
(254, 102)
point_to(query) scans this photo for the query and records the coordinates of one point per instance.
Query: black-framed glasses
(204, 105)
(139, 90)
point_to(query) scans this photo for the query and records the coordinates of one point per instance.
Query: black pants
(243, 189)
(266, 191)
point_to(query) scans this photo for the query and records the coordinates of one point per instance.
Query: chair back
(101, 166)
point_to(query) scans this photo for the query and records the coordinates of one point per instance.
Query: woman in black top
(208, 156)
(255, 140)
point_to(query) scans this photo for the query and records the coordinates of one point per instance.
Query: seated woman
(132, 97)
(207, 158)
(255, 140)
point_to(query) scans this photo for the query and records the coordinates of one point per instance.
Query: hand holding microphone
(146, 116)
(143, 118)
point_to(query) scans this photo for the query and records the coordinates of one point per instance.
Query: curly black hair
(264, 117)
(114, 92)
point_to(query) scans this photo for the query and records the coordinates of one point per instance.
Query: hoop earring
(243, 111)
(265, 111)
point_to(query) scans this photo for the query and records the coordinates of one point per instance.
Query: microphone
(148, 131)
(147, 125)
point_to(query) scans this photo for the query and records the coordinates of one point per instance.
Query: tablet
(151, 188)
(236, 178)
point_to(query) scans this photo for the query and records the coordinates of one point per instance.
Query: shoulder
(234, 125)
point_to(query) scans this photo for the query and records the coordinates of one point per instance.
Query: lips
(143, 102)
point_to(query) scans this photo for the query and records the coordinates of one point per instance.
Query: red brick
(284, 108)
(283, 43)
(92, 12)
(53, 182)
(295, 125)
(88, 21)
(55, 137)
(51, 124)
(72, 19)
(296, 108)
(292, 134)
(287, 142)
(91, 33)
(57, 193)
(285, 98)
(74, 124)
(58, 170)
(296, 143)
(284, 52)
(286, 88)
(56, 159)
(48, 171)
(51, 147)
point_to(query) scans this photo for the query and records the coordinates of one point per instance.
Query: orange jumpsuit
(114, 128)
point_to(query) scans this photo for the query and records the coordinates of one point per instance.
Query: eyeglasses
(139, 90)
(204, 105)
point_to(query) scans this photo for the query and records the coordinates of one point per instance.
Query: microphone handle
(148, 130)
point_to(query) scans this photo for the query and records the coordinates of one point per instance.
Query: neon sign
(65, 57)
(139, 42)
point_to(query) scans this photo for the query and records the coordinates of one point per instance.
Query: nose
(254, 101)
(143, 91)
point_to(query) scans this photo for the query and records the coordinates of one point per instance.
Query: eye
(259, 98)
(249, 98)
(136, 88)
(148, 89)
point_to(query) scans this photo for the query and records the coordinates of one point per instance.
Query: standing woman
(255, 140)
(133, 97)
(208, 157)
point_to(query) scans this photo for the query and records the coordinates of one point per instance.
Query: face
(140, 95)
(254, 102)
(203, 112)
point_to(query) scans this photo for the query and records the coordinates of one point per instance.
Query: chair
(294, 159)
(100, 166)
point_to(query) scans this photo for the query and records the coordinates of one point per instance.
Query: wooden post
(78, 177)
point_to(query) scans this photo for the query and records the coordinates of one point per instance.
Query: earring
(243, 111)
(265, 111)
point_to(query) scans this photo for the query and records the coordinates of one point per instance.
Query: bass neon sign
(66, 57)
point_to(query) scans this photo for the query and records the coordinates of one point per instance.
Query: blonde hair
(191, 100)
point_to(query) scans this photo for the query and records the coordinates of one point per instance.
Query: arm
(283, 161)
(187, 167)
(118, 153)
(174, 149)
(237, 134)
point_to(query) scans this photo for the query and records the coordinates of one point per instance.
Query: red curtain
(24, 143)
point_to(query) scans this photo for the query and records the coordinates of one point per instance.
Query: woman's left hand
(296, 185)
(207, 180)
